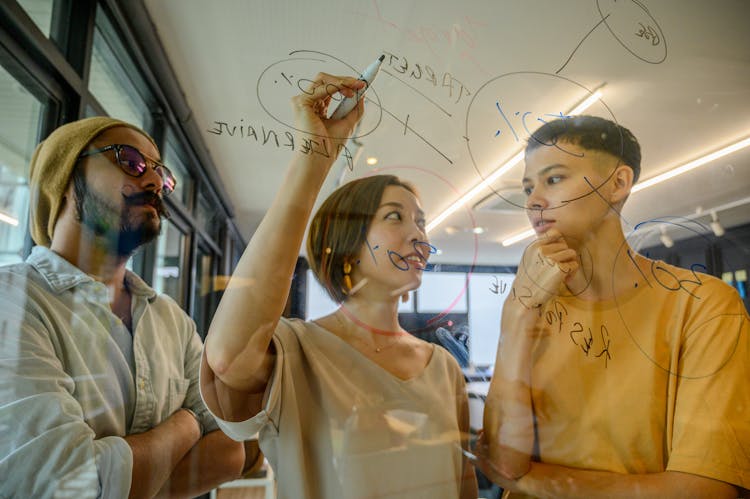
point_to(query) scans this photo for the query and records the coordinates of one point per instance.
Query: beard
(124, 227)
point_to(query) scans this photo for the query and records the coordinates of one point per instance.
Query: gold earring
(347, 279)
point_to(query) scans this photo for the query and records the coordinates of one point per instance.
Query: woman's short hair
(340, 226)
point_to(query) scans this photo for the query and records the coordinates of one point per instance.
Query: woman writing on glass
(349, 405)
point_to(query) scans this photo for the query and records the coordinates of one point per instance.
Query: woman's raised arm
(238, 357)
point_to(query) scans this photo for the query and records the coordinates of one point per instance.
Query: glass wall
(94, 72)
(20, 124)
(172, 156)
(111, 82)
(169, 273)
(203, 290)
(40, 11)
(62, 60)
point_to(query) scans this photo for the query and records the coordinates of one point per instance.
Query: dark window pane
(168, 273)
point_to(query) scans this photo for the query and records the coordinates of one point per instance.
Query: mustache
(150, 198)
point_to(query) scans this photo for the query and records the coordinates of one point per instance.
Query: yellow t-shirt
(657, 379)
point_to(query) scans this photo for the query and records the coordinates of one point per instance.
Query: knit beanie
(51, 168)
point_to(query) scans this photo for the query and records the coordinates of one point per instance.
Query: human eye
(554, 179)
(527, 189)
(393, 215)
(421, 223)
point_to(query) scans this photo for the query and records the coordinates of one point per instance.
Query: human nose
(418, 234)
(536, 199)
(152, 179)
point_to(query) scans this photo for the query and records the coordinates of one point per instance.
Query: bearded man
(99, 375)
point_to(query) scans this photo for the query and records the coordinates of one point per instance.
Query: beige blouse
(334, 424)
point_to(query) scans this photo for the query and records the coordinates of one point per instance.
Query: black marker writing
(529, 135)
(498, 287)
(416, 71)
(273, 138)
(308, 86)
(667, 279)
(649, 33)
(582, 335)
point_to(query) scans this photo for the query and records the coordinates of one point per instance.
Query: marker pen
(349, 103)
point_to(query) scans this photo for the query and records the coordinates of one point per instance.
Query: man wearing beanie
(99, 374)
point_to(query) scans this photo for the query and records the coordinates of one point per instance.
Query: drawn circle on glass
(634, 28)
(518, 103)
(438, 316)
(661, 277)
(285, 74)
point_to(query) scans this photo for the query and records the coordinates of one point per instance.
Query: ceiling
(675, 72)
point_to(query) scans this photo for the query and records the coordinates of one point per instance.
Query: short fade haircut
(593, 133)
(339, 228)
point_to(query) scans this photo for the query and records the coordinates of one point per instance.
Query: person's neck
(372, 315)
(605, 272)
(93, 255)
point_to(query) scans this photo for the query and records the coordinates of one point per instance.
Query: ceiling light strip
(691, 165)
(585, 104)
(8, 219)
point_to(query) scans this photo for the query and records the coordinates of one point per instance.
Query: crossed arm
(173, 460)
(553, 481)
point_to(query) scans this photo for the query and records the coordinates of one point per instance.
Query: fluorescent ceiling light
(658, 179)
(476, 190)
(8, 219)
(691, 165)
(585, 104)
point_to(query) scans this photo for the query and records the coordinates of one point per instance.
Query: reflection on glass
(173, 159)
(19, 133)
(40, 11)
(167, 273)
(202, 291)
(207, 216)
(110, 81)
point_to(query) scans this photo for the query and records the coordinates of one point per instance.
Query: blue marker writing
(349, 103)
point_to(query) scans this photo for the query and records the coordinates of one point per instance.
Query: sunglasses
(134, 163)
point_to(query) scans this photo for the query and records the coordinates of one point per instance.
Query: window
(172, 157)
(203, 296)
(487, 295)
(19, 134)
(112, 78)
(208, 217)
(40, 11)
(442, 292)
(168, 273)
(318, 303)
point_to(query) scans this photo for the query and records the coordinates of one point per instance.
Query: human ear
(622, 183)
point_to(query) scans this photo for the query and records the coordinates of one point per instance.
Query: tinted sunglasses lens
(168, 180)
(131, 160)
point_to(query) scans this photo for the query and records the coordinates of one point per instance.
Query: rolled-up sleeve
(193, 399)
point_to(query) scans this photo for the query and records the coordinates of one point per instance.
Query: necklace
(377, 349)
